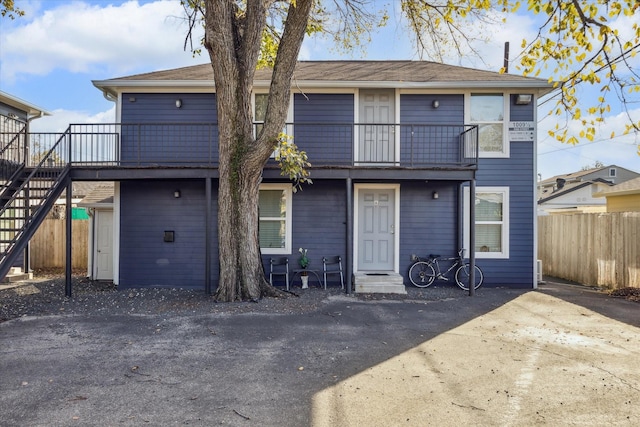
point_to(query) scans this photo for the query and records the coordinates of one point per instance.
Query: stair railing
(51, 167)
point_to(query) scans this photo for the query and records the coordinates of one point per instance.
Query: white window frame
(612, 172)
(504, 254)
(505, 153)
(288, 128)
(287, 188)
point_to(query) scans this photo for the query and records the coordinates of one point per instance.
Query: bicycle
(424, 272)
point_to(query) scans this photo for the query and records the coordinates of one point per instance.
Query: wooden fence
(48, 245)
(601, 249)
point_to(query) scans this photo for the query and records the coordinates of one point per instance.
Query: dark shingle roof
(353, 71)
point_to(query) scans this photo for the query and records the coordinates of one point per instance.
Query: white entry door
(376, 229)
(103, 255)
(376, 141)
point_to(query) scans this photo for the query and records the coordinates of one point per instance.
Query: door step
(379, 283)
(16, 275)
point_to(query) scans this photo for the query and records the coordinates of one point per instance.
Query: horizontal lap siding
(328, 144)
(190, 142)
(319, 225)
(427, 225)
(149, 209)
(425, 143)
(517, 173)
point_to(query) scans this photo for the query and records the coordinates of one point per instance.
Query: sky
(50, 56)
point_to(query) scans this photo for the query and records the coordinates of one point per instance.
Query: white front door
(376, 141)
(103, 245)
(376, 230)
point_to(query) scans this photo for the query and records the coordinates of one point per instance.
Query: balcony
(329, 146)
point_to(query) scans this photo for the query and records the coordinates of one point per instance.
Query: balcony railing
(326, 144)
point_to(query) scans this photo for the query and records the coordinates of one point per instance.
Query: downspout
(472, 236)
(349, 252)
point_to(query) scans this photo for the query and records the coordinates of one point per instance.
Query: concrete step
(379, 283)
(16, 275)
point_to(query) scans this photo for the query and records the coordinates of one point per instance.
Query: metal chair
(279, 267)
(332, 265)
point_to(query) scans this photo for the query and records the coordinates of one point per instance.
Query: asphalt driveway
(505, 357)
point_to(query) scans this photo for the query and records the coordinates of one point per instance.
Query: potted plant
(304, 263)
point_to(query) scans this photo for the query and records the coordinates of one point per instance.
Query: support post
(68, 211)
(472, 237)
(348, 259)
(207, 236)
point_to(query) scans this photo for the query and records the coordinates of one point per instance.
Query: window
(612, 172)
(275, 218)
(492, 221)
(487, 110)
(260, 112)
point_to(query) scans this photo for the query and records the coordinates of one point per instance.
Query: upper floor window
(612, 172)
(487, 110)
(275, 218)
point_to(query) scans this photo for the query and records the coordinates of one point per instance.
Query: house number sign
(521, 131)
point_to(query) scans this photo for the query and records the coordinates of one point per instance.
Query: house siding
(324, 127)
(515, 172)
(144, 141)
(319, 225)
(427, 225)
(319, 219)
(149, 208)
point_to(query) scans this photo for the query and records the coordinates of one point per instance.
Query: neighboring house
(15, 118)
(396, 147)
(576, 192)
(624, 197)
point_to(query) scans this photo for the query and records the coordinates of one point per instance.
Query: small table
(299, 272)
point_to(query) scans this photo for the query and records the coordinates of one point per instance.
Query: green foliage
(304, 259)
(293, 162)
(580, 44)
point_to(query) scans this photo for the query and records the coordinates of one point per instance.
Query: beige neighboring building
(624, 197)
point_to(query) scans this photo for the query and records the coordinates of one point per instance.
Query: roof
(19, 104)
(631, 186)
(568, 188)
(423, 74)
(101, 195)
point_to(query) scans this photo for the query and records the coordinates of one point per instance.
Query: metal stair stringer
(32, 222)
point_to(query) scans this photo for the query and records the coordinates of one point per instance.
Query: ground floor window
(492, 221)
(275, 219)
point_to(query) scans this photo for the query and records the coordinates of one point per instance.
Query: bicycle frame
(425, 271)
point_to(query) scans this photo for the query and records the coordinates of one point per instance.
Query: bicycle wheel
(462, 277)
(422, 274)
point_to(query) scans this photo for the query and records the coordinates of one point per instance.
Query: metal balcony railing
(326, 144)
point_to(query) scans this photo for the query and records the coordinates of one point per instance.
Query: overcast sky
(50, 56)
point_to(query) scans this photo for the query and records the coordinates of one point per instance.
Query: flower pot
(305, 282)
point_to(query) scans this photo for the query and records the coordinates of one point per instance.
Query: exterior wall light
(523, 99)
(176, 194)
(435, 195)
(178, 103)
(435, 103)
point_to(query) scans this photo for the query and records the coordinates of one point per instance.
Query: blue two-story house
(396, 148)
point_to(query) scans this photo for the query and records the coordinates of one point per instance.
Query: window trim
(504, 254)
(287, 188)
(506, 144)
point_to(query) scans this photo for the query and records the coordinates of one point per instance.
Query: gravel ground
(45, 296)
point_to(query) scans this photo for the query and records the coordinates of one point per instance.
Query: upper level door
(376, 140)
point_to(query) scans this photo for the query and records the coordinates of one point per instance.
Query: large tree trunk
(232, 38)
